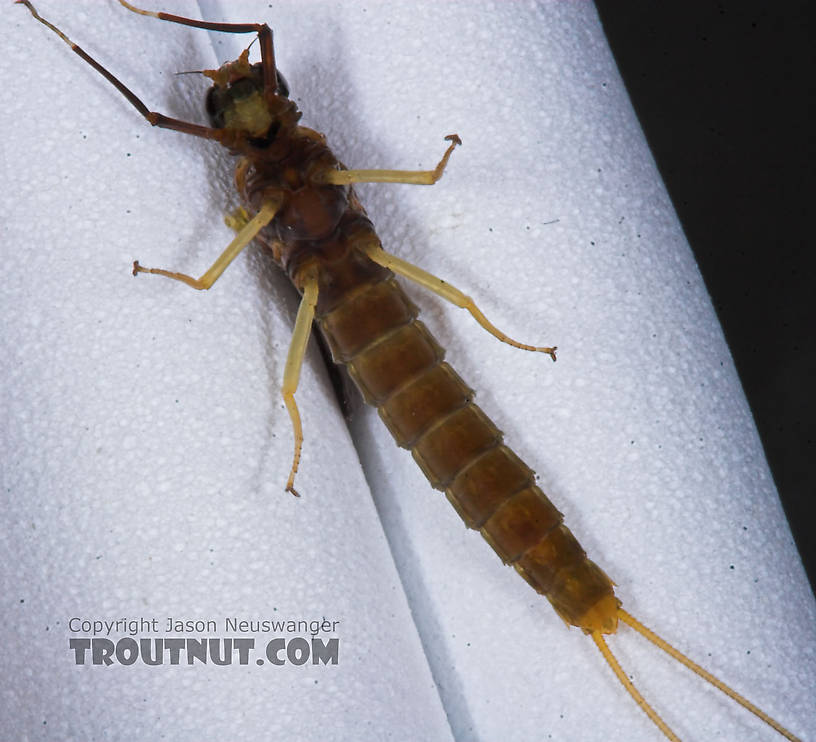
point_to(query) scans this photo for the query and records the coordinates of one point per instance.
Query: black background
(724, 91)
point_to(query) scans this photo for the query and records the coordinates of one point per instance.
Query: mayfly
(253, 116)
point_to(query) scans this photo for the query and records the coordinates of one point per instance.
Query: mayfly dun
(253, 115)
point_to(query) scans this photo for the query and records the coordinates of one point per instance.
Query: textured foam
(145, 447)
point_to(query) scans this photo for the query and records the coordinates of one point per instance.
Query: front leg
(412, 177)
(242, 239)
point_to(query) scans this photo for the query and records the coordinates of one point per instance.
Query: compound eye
(215, 107)
(283, 87)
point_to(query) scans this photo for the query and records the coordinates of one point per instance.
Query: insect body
(301, 208)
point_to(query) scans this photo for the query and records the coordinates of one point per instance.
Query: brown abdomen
(399, 368)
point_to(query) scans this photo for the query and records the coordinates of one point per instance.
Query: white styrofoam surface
(145, 446)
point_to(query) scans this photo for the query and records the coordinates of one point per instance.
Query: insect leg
(237, 219)
(446, 291)
(412, 177)
(155, 119)
(348, 397)
(294, 360)
(263, 31)
(242, 239)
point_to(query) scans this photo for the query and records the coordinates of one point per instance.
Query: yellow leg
(242, 239)
(412, 177)
(294, 360)
(237, 219)
(446, 291)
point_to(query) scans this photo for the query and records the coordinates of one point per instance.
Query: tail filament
(600, 642)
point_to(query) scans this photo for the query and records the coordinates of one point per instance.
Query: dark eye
(242, 88)
(283, 87)
(215, 104)
(220, 99)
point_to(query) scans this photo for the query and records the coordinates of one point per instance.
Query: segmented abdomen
(373, 330)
